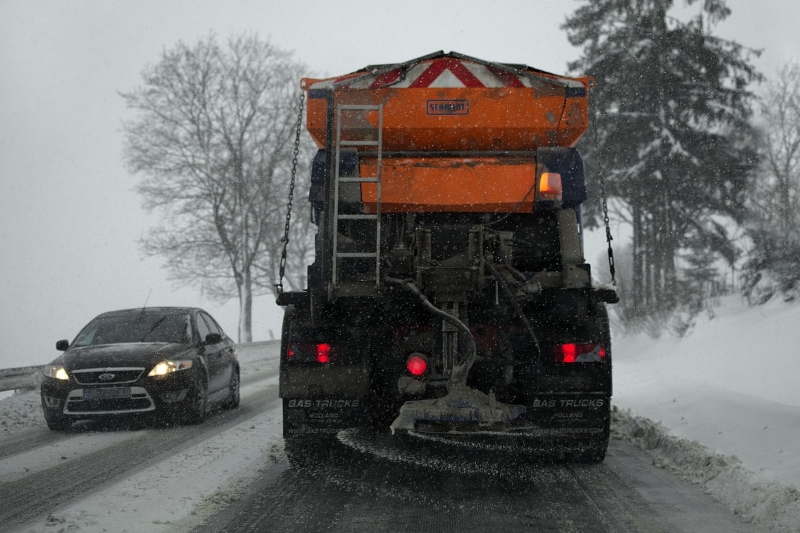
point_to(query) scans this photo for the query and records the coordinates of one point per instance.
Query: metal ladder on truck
(361, 287)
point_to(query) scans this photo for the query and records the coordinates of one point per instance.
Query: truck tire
(308, 450)
(594, 453)
(593, 450)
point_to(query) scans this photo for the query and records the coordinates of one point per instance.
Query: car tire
(198, 405)
(232, 402)
(57, 421)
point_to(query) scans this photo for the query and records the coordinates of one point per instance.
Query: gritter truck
(449, 292)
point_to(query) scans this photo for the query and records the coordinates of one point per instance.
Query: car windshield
(147, 327)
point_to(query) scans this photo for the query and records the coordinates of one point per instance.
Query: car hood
(139, 354)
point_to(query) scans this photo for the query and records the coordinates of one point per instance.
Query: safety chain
(285, 239)
(609, 238)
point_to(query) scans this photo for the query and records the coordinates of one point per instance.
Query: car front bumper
(145, 395)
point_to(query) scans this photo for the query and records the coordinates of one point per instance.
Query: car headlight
(167, 367)
(56, 372)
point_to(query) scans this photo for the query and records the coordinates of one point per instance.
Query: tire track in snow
(28, 499)
(366, 483)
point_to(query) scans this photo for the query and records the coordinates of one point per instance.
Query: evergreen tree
(671, 110)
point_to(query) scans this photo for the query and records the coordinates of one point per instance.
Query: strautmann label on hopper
(448, 107)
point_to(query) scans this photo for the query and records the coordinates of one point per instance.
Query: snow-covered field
(720, 407)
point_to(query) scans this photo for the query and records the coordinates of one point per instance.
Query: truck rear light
(322, 353)
(550, 186)
(417, 364)
(579, 353)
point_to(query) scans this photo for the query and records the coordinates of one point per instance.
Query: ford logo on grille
(106, 377)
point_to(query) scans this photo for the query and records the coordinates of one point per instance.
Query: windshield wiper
(153, 327)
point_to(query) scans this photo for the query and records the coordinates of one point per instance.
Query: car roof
(149, 310)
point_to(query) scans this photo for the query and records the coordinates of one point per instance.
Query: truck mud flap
(321, 415)
(569, 416)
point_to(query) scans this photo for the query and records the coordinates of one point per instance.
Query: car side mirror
(62, 345)
(213, 338)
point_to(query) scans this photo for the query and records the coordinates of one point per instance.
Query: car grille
(92, 376)
(139, 401)
(104, 406)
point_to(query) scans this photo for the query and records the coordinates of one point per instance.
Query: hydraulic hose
(471, 348)
(516, 305)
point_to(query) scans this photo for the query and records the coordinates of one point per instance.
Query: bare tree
(780, 107)
(774, 201)
(213, 137)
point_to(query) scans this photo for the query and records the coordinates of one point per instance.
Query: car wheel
(57, 421)
(233, 399)
(198, 405)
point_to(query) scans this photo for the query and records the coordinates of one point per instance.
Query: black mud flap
(321, 416)
(569, 417)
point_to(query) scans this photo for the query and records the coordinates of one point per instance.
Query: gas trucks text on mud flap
(449, 293)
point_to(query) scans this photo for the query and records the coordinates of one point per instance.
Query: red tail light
(417, 364)
(323, 353)
(579, 353)
(311, 353)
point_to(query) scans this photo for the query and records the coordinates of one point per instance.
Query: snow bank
(258, 356)
(730, 384)
(748, 350)
(770, 505)
(21, 411)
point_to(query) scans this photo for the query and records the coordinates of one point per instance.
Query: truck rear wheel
(307, 450)
(595, 452)
(593, 449)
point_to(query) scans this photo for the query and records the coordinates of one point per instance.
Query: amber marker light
(550, 186)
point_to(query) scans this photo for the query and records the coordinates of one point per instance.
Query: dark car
(162, 361)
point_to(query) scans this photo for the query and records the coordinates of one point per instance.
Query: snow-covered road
(99, 478)
(367, 483)
(212, 477)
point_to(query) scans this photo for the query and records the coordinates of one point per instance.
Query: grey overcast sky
(69, 220)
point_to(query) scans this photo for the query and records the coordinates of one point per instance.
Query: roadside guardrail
(24, 377)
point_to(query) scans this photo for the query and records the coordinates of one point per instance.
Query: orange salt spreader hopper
(457, 133)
